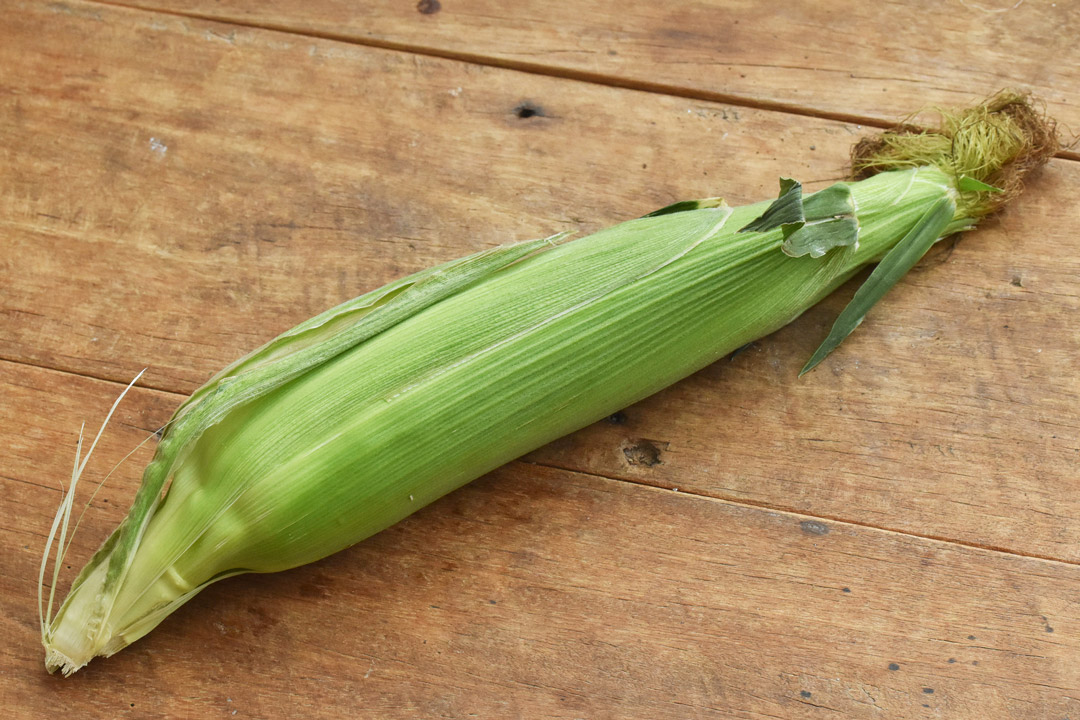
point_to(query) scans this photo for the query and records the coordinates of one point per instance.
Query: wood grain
(544, 593)
(892, 536)
(841, 58)
(176, 221)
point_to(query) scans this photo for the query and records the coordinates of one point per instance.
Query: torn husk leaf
(362, 415)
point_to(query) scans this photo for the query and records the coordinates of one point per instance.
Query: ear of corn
(360, 416)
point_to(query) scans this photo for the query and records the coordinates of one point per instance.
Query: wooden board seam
(792, 511)
(742, 101)
(88, 376)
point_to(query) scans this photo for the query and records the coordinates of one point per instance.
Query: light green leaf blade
(970, 184)
(834, 201)
(817, 238)
(893, 266)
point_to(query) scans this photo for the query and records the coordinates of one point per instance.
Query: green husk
(355, 419)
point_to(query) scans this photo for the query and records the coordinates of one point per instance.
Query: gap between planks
(751, 504)
(1067, 152)
(88, 376)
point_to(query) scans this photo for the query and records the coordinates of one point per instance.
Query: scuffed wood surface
(510, 599)
(845, 58)
(173, 192)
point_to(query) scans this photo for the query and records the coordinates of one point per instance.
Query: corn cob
(360, 416)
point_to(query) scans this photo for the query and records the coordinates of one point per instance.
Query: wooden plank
(543, 593)
(175, 214)
(874, 61)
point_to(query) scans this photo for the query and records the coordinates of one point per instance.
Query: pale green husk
(357, 418)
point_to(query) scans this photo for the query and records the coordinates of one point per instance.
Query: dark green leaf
(687, 205)
(785, 210)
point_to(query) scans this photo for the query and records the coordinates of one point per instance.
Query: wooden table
(896, 535)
